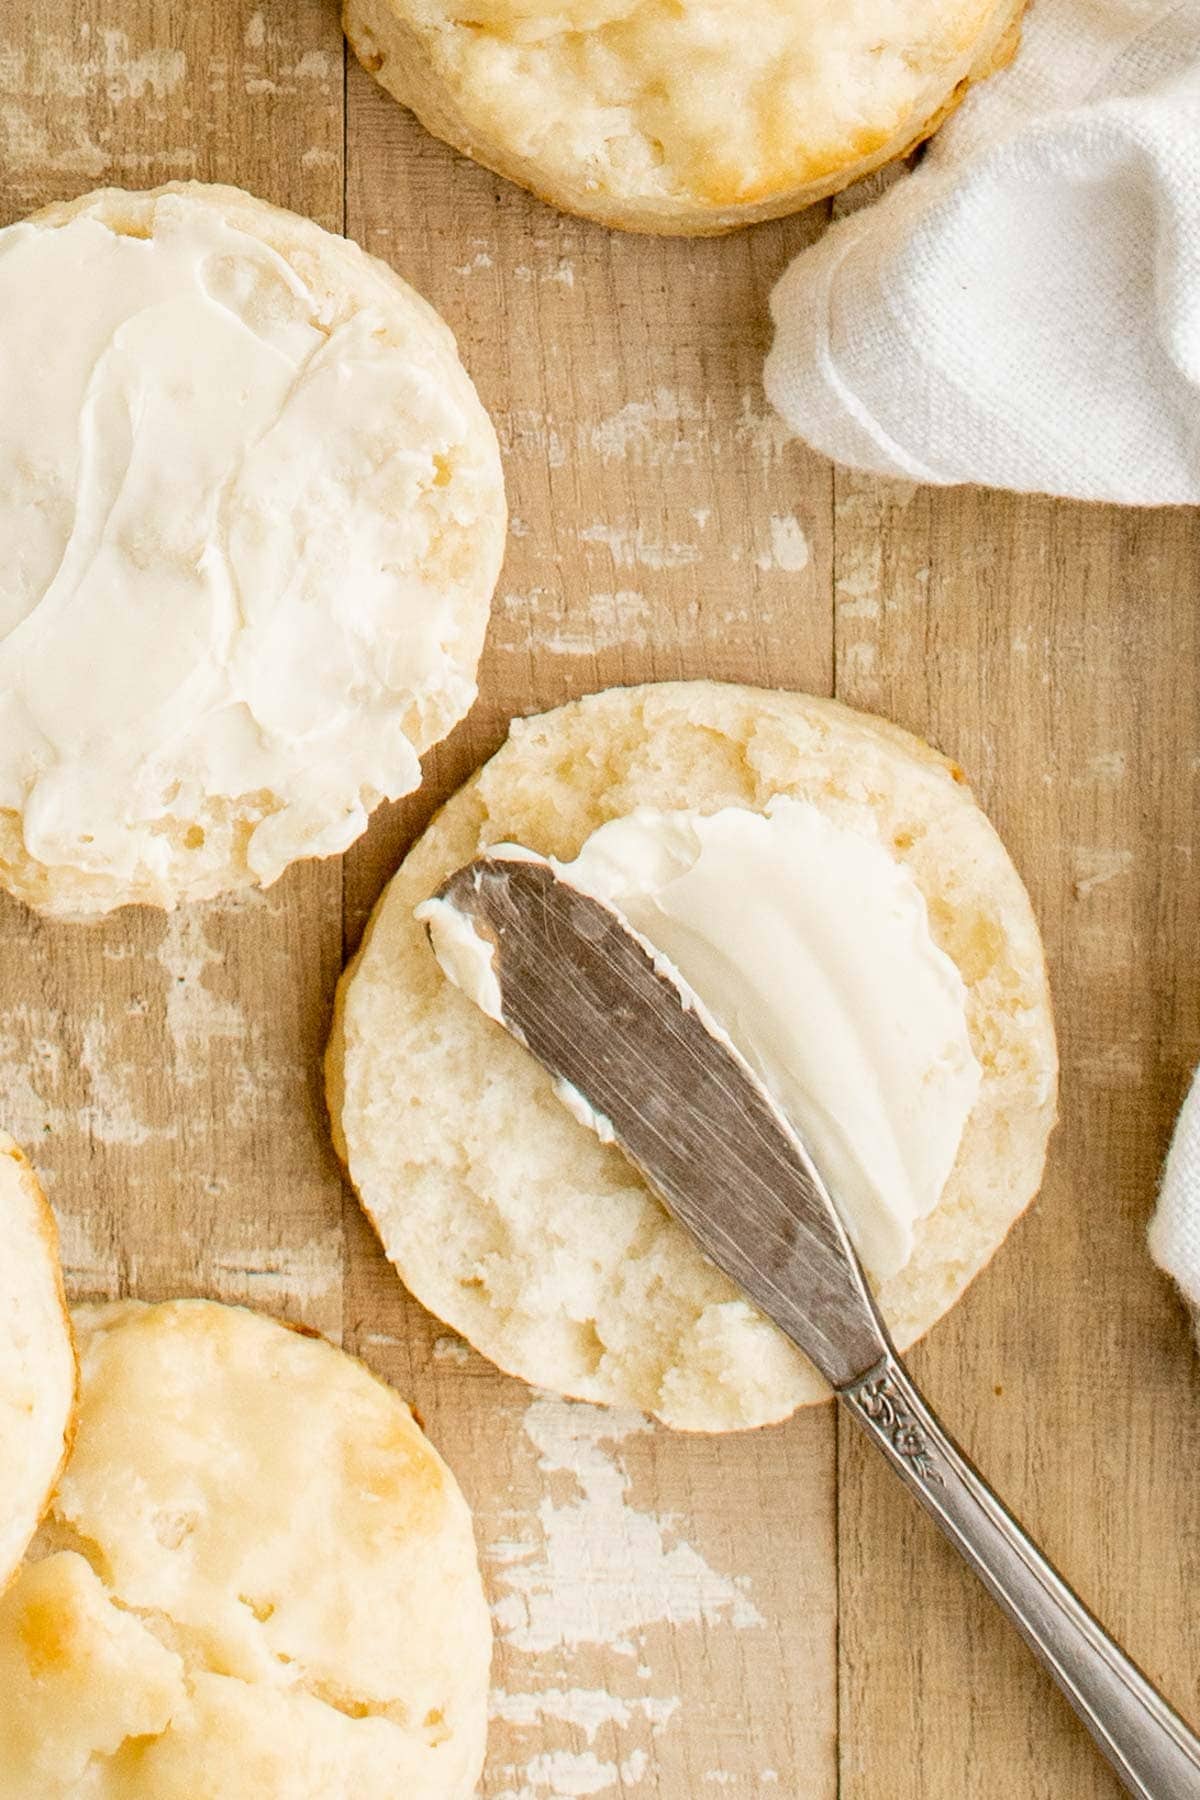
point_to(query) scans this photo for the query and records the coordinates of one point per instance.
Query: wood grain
(759, 1615)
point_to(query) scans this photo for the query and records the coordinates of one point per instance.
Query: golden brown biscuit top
(728, 102)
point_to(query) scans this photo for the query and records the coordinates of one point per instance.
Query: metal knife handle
(1152, 1750)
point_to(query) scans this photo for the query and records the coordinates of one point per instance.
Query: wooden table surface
(763, 1614)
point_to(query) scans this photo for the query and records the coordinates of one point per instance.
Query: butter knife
(594, 1006)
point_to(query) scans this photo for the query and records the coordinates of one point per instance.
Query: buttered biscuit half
(681, 116)
(829, 887)
(37, 1360)
(251, 516)
(257, 1578)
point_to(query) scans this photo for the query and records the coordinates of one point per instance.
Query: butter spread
(809, 944)
(581, 1108)
(466, 958)
(222, 517)
(469, 961)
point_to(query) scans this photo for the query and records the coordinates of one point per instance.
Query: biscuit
(684, 118)
(37, 1360)
(516, 1225)
(257, 1578)
(253, 515)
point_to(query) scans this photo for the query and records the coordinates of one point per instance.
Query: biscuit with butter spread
(899, 987)
(252, 514)
(681, 116)
(257, 1578)
(37, 1361)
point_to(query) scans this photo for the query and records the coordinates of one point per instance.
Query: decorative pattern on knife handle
(884, 1407)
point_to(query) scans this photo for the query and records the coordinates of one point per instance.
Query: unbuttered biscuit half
(681, 116)
(257, 1578)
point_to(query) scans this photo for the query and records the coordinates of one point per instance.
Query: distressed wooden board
(675, 1615)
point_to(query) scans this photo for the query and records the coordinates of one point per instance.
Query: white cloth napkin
(1175, 1228)
(1024, 309)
